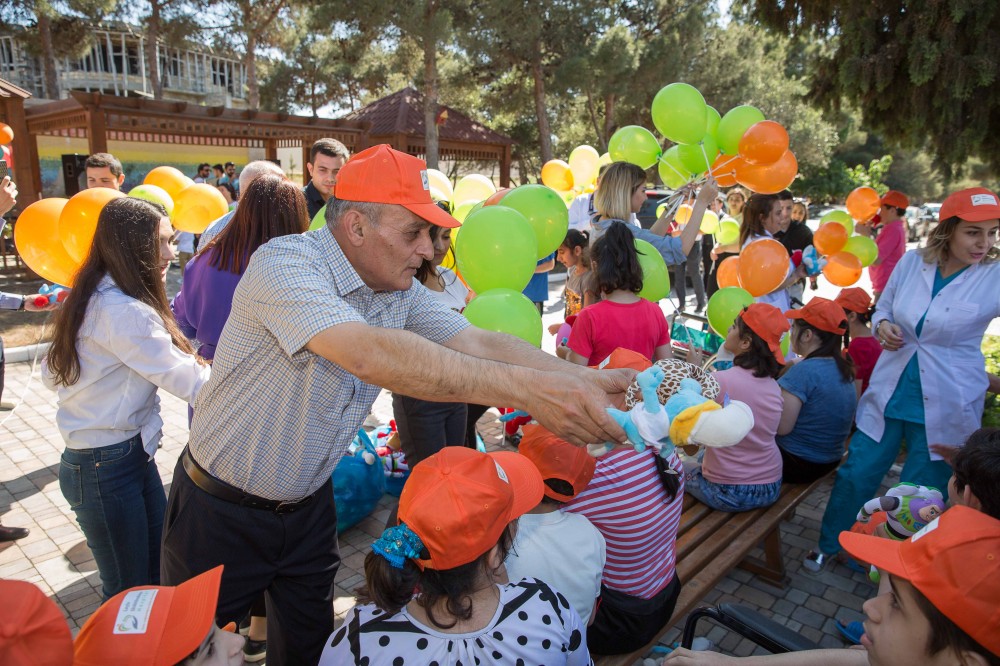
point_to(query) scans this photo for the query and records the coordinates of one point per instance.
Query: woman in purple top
(271, 207)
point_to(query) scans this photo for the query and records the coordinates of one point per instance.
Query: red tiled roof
(403, 112)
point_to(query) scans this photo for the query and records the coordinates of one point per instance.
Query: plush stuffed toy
(810, 259)
(685, 418)
(908, 508)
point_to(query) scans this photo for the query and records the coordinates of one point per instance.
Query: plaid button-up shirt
(275, 418)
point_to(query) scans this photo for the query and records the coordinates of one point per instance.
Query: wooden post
(306, 147)
(271, 149)
(97, 136)
(26, 173)
(505, 161)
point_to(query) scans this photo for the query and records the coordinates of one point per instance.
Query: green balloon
(153, 194)
(863, 248)
(545, 210)
(506, 311)
(496, 249)
(636, 145)
(841, 217)
(729, 232)
(319, 219)
(712, 123)
(698, 157)
(786, 341)
(734, 125)
(724, 306)
(672, 171)
(679, 113)
(655, 277)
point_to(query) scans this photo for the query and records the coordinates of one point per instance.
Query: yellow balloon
(198, 206)
(683, 214)
(440, 181)
(78, 220)
(709, 222)
(557, 175)
(584, 162)
(474, 187)
(605, 159)
(170, 179)
(36, 235)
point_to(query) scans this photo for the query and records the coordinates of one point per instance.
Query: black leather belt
(227, 493)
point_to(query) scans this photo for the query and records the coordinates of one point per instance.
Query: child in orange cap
(33, 632)
(939, 609)
(436, 590)
(861, 345)
(564, 549)
(818, 393)
(748, 475)
(160, 626)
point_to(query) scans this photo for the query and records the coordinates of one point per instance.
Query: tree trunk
(544, 132)
(152, 61)
(250, 64)
(609, 118)
(430, 88)
(48, 56)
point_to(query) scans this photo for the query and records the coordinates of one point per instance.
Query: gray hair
(337, 208)
(257, 169)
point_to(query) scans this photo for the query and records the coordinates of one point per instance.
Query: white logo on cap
(502, 474)
(984, 200)
(423, 179)
(133, 614)
(927, 529)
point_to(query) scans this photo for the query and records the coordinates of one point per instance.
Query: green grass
(991, 350)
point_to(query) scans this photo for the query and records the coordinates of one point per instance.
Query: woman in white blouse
(116, 343)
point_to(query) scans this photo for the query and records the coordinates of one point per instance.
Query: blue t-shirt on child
(828, 404)
(537, 290)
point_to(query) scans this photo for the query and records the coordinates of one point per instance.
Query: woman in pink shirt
(747, 476)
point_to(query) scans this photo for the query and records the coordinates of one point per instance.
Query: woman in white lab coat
(928, 385)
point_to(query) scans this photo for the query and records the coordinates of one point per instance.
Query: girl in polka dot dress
(457, 518)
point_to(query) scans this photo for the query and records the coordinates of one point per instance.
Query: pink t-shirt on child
(756, 459)
(603, 327)
(891, 241)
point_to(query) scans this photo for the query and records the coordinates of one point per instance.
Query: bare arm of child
(856, 656)
(573, 357)
(662, 352)
(789, 412)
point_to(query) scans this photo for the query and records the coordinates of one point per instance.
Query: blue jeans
(731, 498)
(117, 496)
(859, 478)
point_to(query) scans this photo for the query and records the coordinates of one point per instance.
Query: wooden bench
(711, 543)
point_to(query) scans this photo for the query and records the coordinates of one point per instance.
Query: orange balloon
(6, 136)
(863, 203)
(496, 197)
(728, 272)
(78, 220)
(198, 206)
(764, 143)
(769, 179)
(36, 235)
(724, 169)
(842, 269)
(830, 238)
(557, 175)
(763, 266)
(169, 178)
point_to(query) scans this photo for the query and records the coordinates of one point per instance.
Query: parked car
(647, 214)
(926, 220)
(817, 211)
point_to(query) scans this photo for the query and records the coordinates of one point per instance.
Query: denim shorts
(731, 497)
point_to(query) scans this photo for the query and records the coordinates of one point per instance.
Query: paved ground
(55, 556)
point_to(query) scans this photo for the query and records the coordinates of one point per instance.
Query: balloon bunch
(576, 177)
(54, 235)
(739, 147)
(501, 241)
(846, 254)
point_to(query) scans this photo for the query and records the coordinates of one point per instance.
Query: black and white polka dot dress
(534, 625)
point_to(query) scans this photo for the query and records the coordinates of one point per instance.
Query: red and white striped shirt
(626, 501)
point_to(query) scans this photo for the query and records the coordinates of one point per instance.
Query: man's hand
(575, 409)
(8, 195)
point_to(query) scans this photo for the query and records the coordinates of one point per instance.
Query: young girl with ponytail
(859, 342)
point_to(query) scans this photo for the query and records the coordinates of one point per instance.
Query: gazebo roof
(8, 89)
(403, 113)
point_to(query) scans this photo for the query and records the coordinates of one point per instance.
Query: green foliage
(991, 350)
(872, 175)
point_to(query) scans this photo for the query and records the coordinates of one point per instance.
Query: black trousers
(799, 470)
(624, 623)
(291, 558)
(426, 427)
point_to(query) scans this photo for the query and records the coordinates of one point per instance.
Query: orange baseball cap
(150, 625)
(854, 299)
(954, 561)
(382, 175)
(975, 204)
(767, 321)
(458, 501)
(896, 199)
(624, 358)
(821, 313)
(556, 458)
(32, 629)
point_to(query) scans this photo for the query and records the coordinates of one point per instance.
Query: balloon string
(661, 159)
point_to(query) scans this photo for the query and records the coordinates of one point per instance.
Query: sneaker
(6, 406)
(816, 561)
(512, 440)
(245, 625)
(702, 644)
(254, 651)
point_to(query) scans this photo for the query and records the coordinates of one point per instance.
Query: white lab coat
(952, 368)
